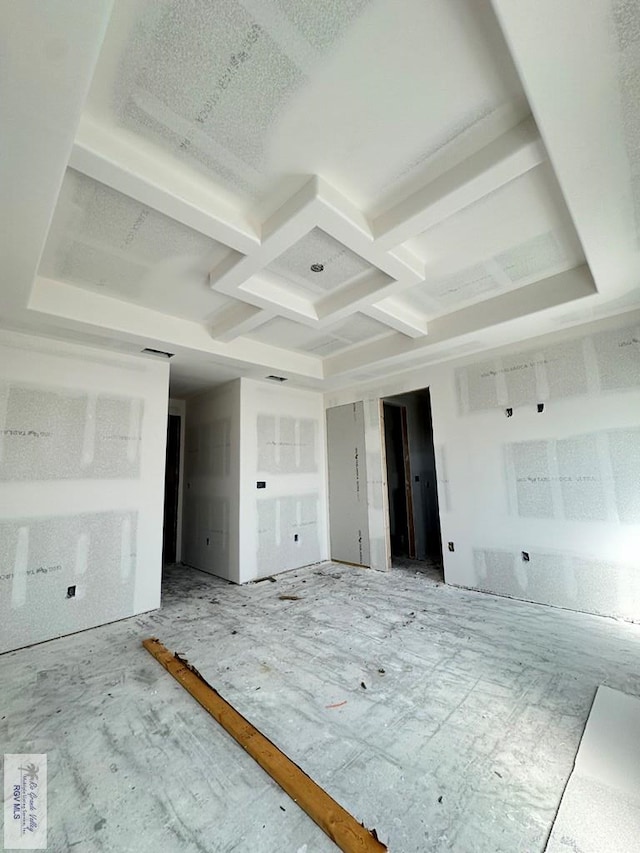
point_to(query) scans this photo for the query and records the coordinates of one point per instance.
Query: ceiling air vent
(159, 352)
(277, 378)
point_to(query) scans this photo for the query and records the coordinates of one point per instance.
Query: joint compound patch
(555, 372)
(588, 477)
(58, 434)
(41, 557)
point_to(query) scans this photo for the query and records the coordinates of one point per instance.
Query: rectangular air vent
(160, 352)
(277, 378)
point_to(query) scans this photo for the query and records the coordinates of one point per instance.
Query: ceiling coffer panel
(100, 238)
(319, 264)
(538, 257)
(285, 333)
(359, 328)
(208, 81)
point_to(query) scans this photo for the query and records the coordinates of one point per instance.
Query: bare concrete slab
(600, 808)
(448, 720)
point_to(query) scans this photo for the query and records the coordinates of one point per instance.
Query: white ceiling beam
(581, 82)
(316, 205)
(148, 175)
(266, 291)
(346, 223)
(502, 161)
(238, 320)
(523, 302)
(348, 299)
(295, 215)
(288, 224)
(399, 317)
(82, 309)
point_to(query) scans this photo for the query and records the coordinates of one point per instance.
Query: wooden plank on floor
(336, 822)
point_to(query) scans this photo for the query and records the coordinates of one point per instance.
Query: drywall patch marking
(103, 239)
(571, 478)
(556, 372)
(210, 449)
(280, 521)
(444, 490)
(539, 257)
(58, 434)
(20, 568)
(618, 357)
(530, 461)
(624, 454)
(626, 22)
(41, 557)
(208, 81)
(287, 445)
(574, 581)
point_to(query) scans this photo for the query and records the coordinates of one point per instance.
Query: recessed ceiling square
(317, 264)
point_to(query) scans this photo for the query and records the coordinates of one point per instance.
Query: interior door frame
(408, 487)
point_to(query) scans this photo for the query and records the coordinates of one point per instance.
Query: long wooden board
(339, 825)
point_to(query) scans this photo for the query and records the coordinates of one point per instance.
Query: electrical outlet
(540, 407)
(295, 537)
(509, 412)
(71, 592)
(525, 556)
(261, 484)
(207, 540)
(451, 546)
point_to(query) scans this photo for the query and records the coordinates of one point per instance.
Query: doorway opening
(414, 518)
(171, 486)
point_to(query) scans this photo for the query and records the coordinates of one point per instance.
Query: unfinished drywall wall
(82, 443)
(240, 435)
(347, 464)
(284, 519)
(211, 494)
(538, 461)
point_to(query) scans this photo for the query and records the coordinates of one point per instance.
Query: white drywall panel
(211, 507)
(348, 488)
(284, 524)
(600, 807)
(82, 444)
(544, 505)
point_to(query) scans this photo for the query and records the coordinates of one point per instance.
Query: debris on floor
(349, 835)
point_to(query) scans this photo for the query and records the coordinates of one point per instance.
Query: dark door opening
(400, 514)
(414, 520)
(171, 482)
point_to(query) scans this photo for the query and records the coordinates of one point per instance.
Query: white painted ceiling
(464, 173)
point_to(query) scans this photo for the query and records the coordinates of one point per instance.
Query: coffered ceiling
(326, 191)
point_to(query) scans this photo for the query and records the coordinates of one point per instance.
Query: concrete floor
(462, 740)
